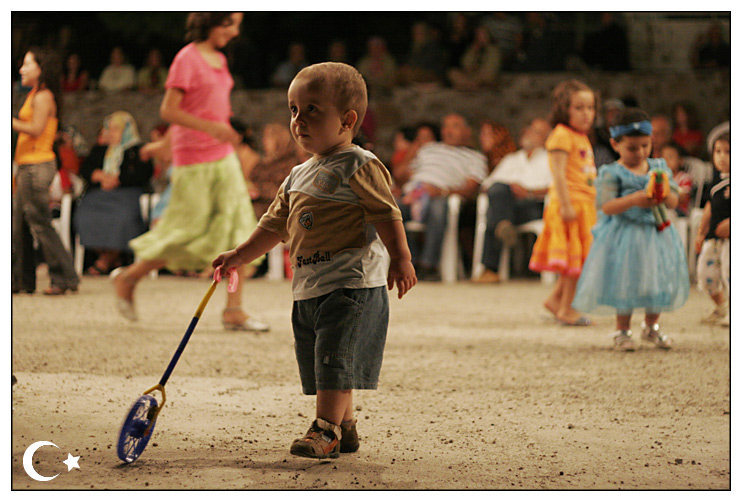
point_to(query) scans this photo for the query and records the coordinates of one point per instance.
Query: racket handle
(232, 285)
(189, 331)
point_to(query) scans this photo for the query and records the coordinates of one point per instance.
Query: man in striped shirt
(435, 171)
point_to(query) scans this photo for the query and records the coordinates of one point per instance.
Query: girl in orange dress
(570, 213)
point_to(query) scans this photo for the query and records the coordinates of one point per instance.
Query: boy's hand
(227, 260)
(402, 274)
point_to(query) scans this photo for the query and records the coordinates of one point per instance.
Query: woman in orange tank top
(36, 126)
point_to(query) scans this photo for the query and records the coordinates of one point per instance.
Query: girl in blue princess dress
(633, 265)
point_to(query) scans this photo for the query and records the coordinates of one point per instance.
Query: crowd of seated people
(459, 50)
(429, 162)
(427, 169)
(467, 54)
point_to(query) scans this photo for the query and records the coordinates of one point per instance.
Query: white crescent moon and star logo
(28, 461)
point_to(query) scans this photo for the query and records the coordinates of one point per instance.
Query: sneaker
(487, 277)
(349, 436)
(321, 441)
(506, 232)
(623, 340)
(653, 335)
(716, 314)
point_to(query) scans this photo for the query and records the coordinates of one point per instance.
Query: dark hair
(408, 132)
(681, 151)
(691, 113)
(629, 116)
(50, 63)
(722, 137)
(435, 129)
(245, 131)
(561, 96)
(199, 24)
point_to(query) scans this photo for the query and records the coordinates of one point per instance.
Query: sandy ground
(479, 390)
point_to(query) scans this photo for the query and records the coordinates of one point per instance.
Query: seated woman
(117, 174)
(280, 155)
(480, 63)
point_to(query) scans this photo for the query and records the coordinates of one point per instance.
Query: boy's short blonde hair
(346, 84)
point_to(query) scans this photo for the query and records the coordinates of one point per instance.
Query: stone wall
(516, 98)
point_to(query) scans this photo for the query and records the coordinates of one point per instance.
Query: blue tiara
(643, 127)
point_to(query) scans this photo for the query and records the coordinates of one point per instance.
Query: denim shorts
(339, 339)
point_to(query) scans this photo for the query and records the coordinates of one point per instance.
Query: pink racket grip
(232, 285)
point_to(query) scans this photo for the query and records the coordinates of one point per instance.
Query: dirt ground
(479, 390)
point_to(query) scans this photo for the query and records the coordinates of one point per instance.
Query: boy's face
(632, 150)
(316, 123)
(721, 156)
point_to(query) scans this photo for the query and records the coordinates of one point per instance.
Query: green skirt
(209, 212)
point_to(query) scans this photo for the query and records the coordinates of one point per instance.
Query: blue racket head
(137, 428)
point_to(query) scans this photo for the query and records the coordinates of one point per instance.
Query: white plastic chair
(701, 172)
(450, 264)
(62, 224)
(276, 263)
(504, 267)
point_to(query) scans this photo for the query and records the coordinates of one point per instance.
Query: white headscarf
(716, 132)
(129, 137)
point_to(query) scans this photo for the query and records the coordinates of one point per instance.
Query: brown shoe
(487, 277)
(60, 290)
(349, 436)
(321, 441)
(506, 232)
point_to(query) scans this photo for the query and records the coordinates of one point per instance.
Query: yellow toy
(657, 190)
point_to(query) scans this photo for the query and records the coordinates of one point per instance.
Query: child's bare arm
(558, 160)
(703, 227)
(723, 229)
(622, 204)
(259, 243)
(672, 200)
(402, 272)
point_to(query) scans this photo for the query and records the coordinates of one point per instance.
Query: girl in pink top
(209, 209)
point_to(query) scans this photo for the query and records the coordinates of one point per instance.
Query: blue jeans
(503, 206)
(339, 338)
(429, 254)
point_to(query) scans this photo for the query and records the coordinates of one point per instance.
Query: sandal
(124, 305)
(59, 290)
(582, 321)
(249, 325)
(623, 340)
(653, 335)
(94, 270)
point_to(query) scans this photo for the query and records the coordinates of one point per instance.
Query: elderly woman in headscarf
(117, 172)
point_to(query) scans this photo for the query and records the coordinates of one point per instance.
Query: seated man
(516, 191)
(430, 174)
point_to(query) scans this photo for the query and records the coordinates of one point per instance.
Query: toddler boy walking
(337, 214)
